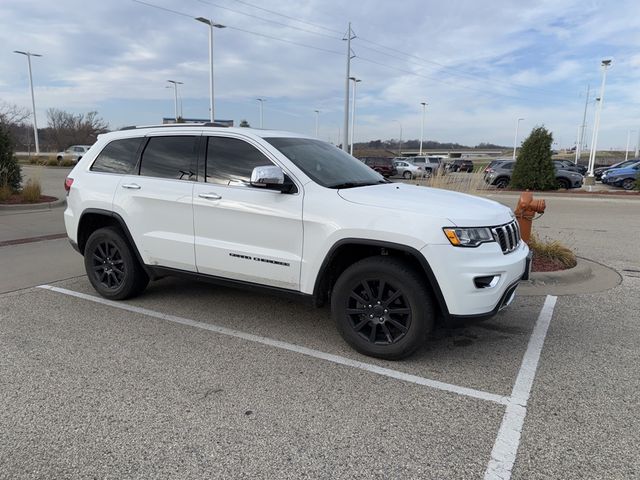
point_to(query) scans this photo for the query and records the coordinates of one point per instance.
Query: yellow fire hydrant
(525, 212)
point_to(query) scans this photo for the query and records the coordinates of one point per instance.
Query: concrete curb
(586, 277)
(582, 271)
(61, 202)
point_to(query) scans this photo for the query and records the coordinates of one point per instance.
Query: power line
(275, 22)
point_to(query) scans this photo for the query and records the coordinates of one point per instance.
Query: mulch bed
(544, 264)
(16, 199)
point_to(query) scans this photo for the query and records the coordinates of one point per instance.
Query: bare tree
(66, 128)
(11, 114)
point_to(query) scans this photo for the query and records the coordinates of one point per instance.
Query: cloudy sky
(478, 65)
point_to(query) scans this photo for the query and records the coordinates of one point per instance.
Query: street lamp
(626, 150)
(261, 100)
(400, 142)
(317, 112)
(175, 95)
(515, 139)
(211, 24)
(33, 100)
(353, 110)
(590, 180)
(424, 107)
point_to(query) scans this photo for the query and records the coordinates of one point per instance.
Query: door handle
(210, 196)
(131, 186)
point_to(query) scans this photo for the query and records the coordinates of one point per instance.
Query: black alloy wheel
(112, 266)
(383, 307)
(378, 311)
(564, 183)
(108, 266)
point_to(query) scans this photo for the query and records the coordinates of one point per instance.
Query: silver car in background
(407, 169)
(73, 153)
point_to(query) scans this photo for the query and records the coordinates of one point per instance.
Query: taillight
(67, 184)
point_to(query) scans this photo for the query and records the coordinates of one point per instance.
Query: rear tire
(502, 183)
(111, 265)
(564, 183)
(382, 307)
(629, 183)
(407, 175)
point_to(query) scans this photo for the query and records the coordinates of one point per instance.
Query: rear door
(242, 232)
(156, 200)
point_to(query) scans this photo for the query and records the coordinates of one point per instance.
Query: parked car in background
(430, 165)
(572, 167)
(459, 165)
(500, 176)
(73, 153)
(597, 172)
(495, 162)
(408, 170)
(384, 166)
(625, 177)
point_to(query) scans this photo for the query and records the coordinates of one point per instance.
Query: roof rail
(206, 124)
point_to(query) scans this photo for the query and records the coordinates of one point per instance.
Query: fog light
(489, 281)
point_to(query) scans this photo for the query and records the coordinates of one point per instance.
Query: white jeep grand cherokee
(294, 215)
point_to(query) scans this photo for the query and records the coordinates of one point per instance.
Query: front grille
(507, 236)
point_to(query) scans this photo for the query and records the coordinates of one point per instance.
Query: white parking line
(505, 448)
(387, 372)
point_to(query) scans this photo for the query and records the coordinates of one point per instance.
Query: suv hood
(459, 209)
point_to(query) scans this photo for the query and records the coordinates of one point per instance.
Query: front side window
(119, 156)
(170, 157)
(230, 161)
(326, 164)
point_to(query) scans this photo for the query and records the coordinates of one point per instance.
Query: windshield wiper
(352, 184)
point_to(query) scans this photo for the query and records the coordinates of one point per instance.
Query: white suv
(293, 215)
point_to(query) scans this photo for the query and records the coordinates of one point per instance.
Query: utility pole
(33, 100)
(317, 122)
(515, 139)
(424, 106)
(626, 150)
(590, 180)
(582, 127)
(261, 100)
(175, 96)
(345, 133)
(637, 144)
(353, 111)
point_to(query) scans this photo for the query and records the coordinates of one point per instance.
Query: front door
(242, 232)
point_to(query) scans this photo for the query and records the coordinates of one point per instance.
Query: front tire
(382, 307)
(628, 183)
(564, 183)
(111, 265)
(407, 175)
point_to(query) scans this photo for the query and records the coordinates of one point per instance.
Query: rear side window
(230, 161)
(119, 156)
(170, 157)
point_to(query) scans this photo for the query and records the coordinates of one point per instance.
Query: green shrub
(32, 191)
(534, 169)
(10, 173)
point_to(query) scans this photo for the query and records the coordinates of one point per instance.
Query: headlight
(468, 237)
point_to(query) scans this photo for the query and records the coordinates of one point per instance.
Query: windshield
(326, 164)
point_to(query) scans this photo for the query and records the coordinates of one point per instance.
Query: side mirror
(269, 176)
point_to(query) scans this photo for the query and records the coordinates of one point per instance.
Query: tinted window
(326, 164)
(170, 157)
(119, 156)
(230, 161)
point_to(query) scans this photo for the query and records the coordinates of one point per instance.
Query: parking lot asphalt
(162, 387)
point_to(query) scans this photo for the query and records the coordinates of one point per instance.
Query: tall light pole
(212, 25)
(33, 100)
(424, 107)
(261, 101)
(590, 180)
(317, 112)
(175, 95)
(626, 150)
(345, 139)
(515, 139)
(353, 111)
(582, 127)
(400, 142)
(637, 145)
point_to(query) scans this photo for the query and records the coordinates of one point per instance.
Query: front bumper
(455, 270)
